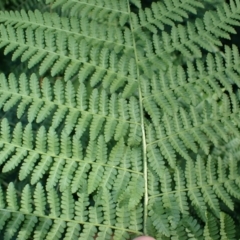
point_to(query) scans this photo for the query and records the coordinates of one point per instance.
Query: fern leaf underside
(124, 121)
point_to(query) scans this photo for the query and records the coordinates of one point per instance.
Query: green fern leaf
(118, 119)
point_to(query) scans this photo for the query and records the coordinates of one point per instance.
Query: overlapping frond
(192, 111)
(197, 108)
(71, 47)
(224, 229)
(164, 13)
(46, 214)
(131, 126)
(114, 12)
(105, 114)
(72, 168)
(189, 39)
(209, 185)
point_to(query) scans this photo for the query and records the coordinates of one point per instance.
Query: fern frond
(116, 10)
(203, 194)
(188, 40)
(62, 170)
(192, 228)
(67, 174)
(57, 214)
(224, 229)
(97, 116)
(160, 224)
(131, 125)
(63, 55)
(176, 138)
(164, 13)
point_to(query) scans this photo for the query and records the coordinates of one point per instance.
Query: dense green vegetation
(119, 118)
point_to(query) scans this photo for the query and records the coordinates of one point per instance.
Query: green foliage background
(135, 132)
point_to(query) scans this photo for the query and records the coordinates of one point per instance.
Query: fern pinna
(119, 119)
